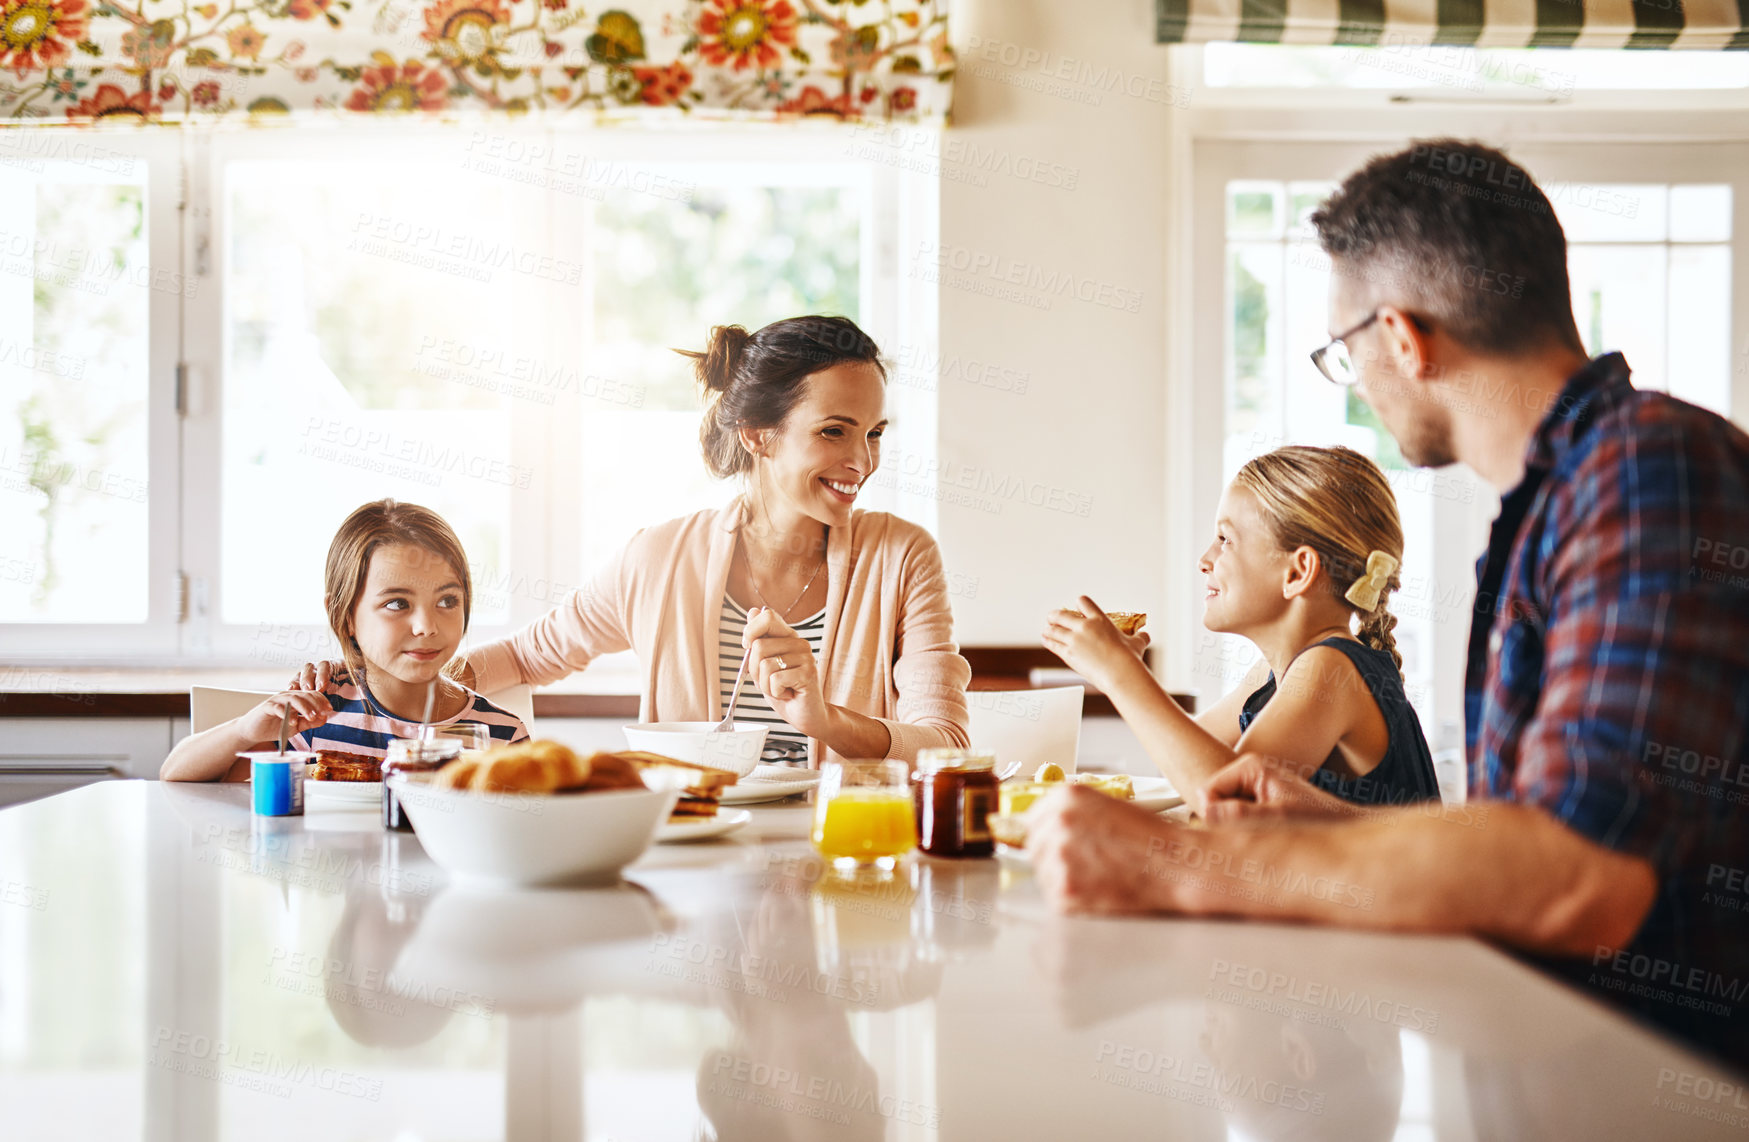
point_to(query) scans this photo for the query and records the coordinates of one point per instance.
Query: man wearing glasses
(1607, 690)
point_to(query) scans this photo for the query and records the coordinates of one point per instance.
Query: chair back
(208, 706)
(1027, 728)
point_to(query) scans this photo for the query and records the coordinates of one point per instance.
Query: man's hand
(1257, 786)
(1092, 853)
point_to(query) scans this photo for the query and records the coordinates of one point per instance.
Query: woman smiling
(845, 611)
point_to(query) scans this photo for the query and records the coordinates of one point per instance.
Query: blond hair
(380, 524)
(1338, 503)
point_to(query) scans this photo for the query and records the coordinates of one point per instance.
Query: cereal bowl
(529, 838)
(700, 743)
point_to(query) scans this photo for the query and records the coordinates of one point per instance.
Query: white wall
(1055, 168)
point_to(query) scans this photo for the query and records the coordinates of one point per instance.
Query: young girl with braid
(1305, 558)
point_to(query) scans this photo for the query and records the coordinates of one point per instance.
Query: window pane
(1254, 306)
(1593, 212)
(1254, 209)
(1619, 299)
(372, 319)
(1278, 312)
(1700, 326)
(1303, 199)
(666, 269)
(75, 289)
(1700, 214)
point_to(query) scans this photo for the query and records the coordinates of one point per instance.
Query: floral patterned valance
(175, 59)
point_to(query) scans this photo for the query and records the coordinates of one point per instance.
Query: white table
(173, 968)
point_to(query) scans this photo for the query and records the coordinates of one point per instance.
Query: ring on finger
(782, 665)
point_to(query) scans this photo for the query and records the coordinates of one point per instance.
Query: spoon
(284, 723)
(728, 722)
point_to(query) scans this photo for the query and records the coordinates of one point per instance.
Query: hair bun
(722, 356)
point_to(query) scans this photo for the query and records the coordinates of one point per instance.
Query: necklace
(783, 614)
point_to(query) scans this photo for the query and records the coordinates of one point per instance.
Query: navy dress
(1406, 772)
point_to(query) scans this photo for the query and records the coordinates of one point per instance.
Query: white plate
(1155, 793)
(349, 793)
(770, 783)
(703, 828)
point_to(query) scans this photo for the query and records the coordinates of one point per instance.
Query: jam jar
(413, 755)
(955, 795)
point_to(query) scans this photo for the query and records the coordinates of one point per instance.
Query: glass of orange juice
(863, 813)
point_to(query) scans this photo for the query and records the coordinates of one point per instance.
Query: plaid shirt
(1608, 679)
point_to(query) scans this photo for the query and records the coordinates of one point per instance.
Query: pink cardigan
(888, 650)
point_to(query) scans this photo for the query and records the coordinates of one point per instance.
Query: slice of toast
(1127, 622)
(689, 777)
(690, 808)
(338, 765)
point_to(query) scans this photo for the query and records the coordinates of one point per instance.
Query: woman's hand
(1258, 786)
(308, 710)
(317, 675)
(783, 665)
(1091, 645)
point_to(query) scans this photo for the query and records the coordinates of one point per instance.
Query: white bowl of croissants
(533, 813)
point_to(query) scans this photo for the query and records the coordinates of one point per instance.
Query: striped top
(359, 724)
(784, 744)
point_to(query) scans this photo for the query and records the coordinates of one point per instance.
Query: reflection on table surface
(172, 967)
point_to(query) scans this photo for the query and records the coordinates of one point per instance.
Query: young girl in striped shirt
(398, 596)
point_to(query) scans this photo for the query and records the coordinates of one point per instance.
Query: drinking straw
(430, 701)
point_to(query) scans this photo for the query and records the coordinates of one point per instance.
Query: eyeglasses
(1332, 358)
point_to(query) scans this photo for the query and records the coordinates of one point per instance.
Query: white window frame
(185, 627)
(1294, 134)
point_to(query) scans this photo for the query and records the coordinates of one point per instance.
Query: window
(480, 320)
(88, 298)
(1277, 298)
(75, 251)
(1654, 273)
(353, 295)
(1651, 273)
(737, 245)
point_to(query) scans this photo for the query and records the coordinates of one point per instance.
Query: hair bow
(1366, 590)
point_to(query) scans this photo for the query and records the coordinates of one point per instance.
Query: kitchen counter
(173, 968)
